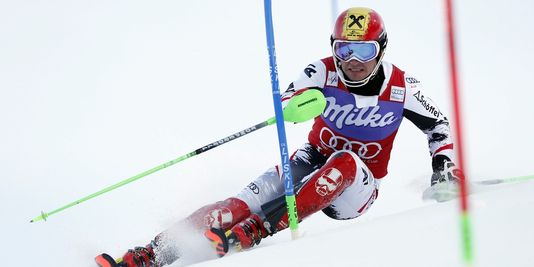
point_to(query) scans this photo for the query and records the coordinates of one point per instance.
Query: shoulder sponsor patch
(332, 79)
(411, 80)
(310, 70)
(427, 104)
(397, 94)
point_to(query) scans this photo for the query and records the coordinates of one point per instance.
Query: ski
(442, 192)
(505, 180)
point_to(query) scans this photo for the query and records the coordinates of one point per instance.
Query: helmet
(363, 30)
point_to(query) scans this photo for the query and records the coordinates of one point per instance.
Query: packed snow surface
(94, 92)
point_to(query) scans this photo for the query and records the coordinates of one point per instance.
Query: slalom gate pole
(465, 220)
(300, 108)
(286, 167)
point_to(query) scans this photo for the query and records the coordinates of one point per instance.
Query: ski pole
(45, 215)
(300, 108)
(286, 167)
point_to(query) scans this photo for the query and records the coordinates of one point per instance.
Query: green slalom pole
(467, 240)
(301, 108)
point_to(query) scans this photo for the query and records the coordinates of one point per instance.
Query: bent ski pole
(303, 107)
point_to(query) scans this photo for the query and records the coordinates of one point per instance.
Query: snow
(423, 236)
(94, 92)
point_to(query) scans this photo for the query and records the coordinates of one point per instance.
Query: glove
(444, 180)
(445, 171)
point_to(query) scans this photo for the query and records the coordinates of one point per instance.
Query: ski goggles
(363, 51)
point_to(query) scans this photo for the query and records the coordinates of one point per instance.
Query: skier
(339, 170)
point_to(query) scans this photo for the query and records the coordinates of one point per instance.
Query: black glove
(444, 181)
(445, 171)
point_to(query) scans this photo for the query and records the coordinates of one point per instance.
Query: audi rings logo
(254, 188)
(364, 150)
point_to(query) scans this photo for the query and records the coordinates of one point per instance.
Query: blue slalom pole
(286, 167)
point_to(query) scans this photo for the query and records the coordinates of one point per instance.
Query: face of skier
(355, 70)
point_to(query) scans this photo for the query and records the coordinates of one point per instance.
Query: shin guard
(221, 215)
(319, 191)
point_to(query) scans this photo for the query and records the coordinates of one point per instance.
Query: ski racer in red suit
(339, 170)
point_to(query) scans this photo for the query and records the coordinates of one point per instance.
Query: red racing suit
(367, 125)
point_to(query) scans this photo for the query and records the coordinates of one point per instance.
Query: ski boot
(138, 257)
(243, 235)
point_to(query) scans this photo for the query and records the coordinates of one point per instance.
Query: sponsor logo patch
(425, 102)
(329, 181)
(332, 79)
(356, 25)
(310, 70)
(346, 115)
(218, 218)
(365, 151)
(411, 80)
(254, 188)
(397, 94)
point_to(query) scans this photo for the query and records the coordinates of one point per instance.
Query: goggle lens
(361, 51)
